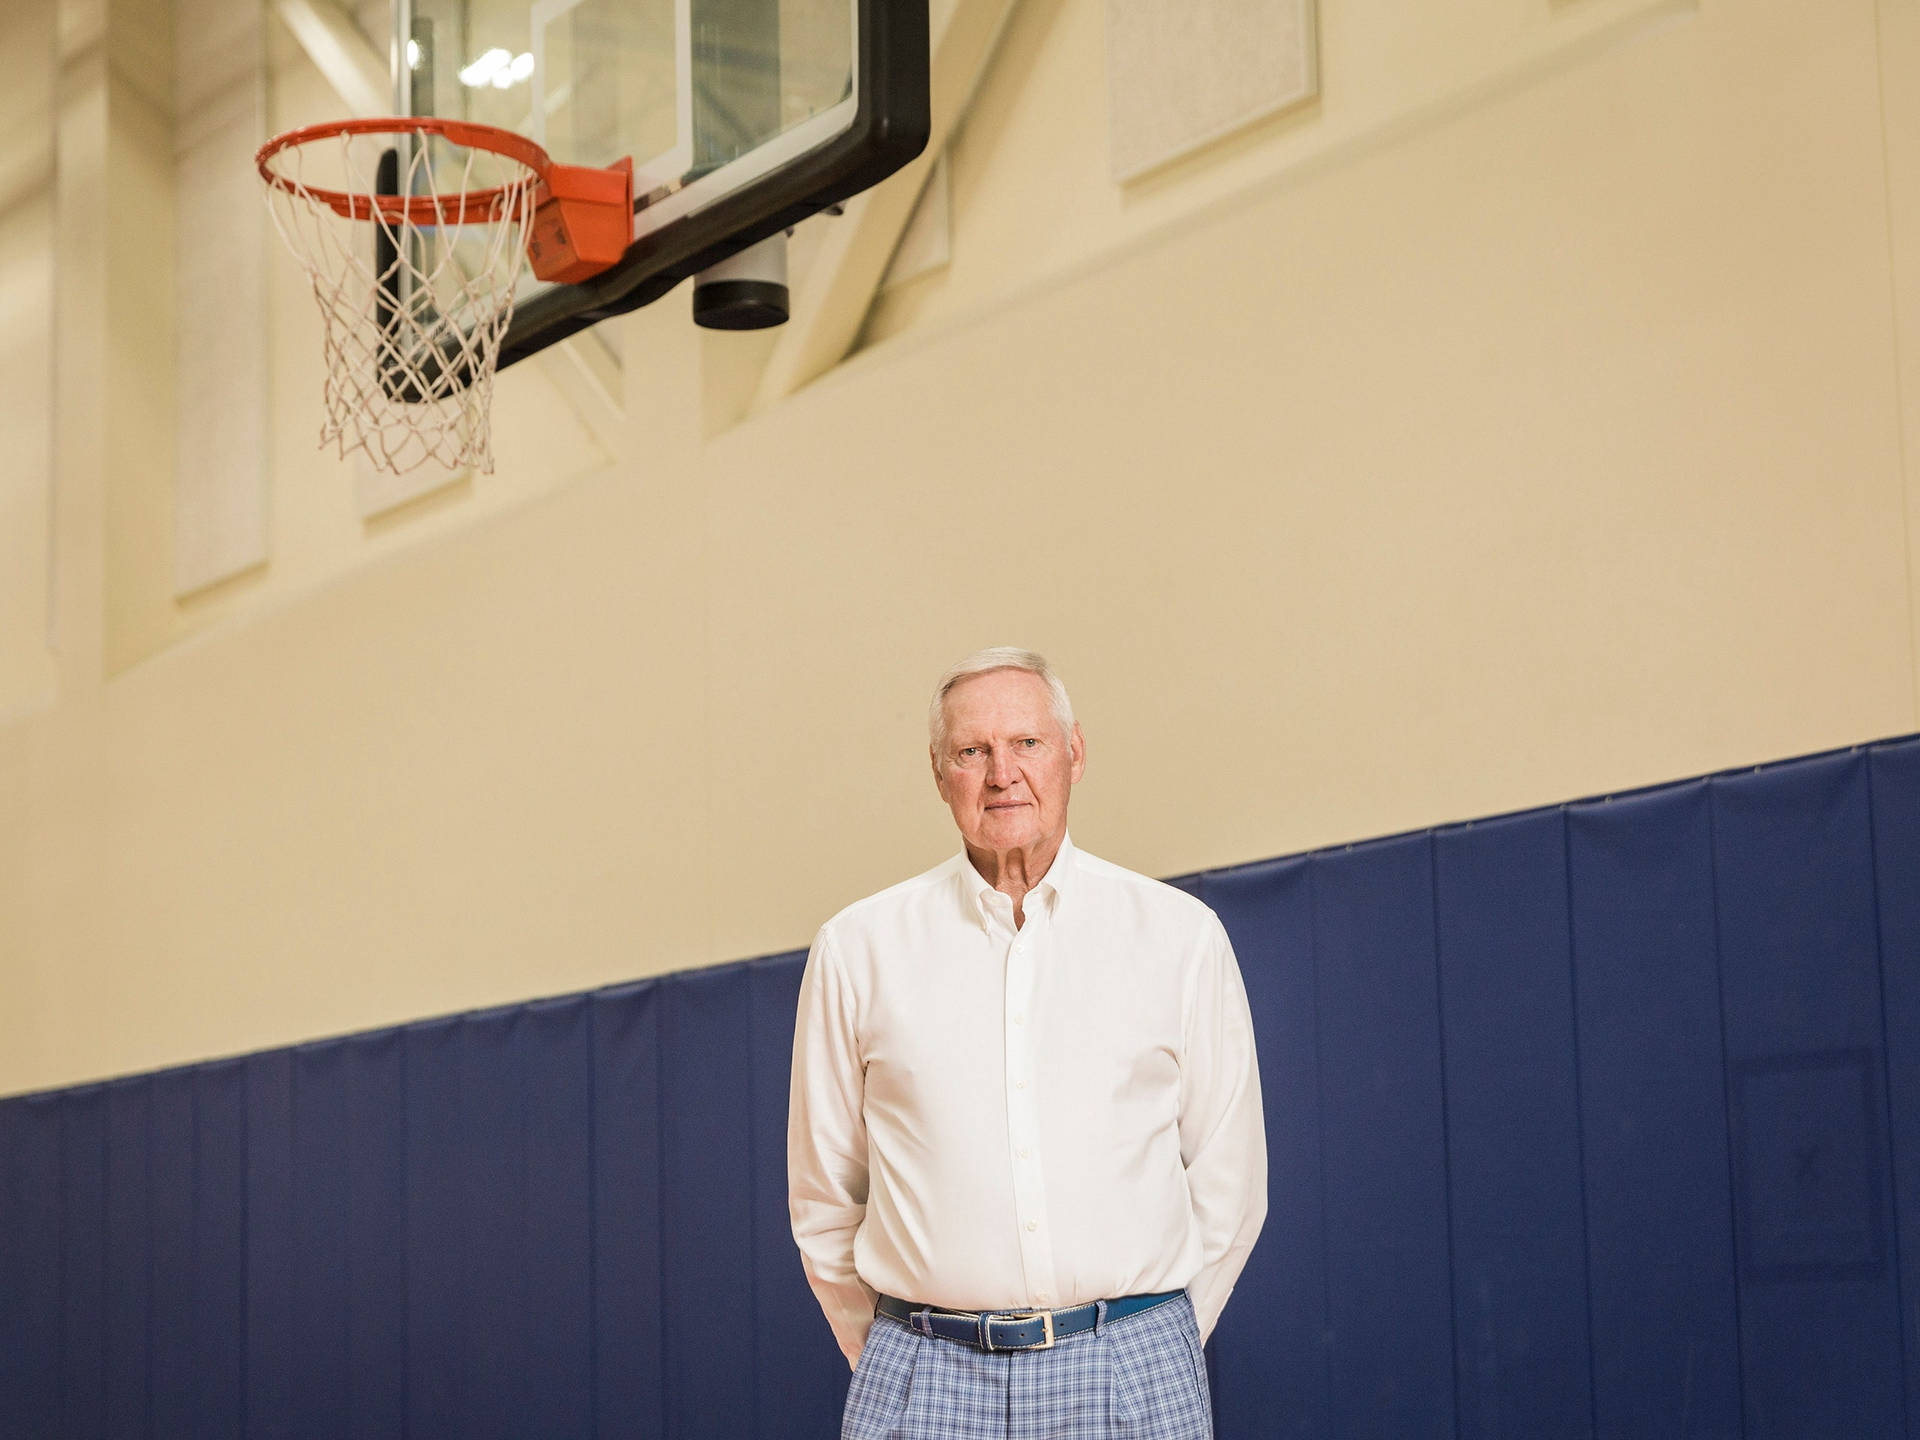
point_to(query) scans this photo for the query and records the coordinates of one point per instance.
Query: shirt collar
(1054, 886)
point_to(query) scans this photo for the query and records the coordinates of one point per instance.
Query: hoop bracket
(582, 221)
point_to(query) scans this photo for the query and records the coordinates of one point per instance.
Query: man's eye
(1029, 742)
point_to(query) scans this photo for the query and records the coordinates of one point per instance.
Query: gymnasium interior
(1464, 462)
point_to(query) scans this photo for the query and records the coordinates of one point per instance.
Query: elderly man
(1025, 1151)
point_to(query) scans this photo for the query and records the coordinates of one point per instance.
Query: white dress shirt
(991, 1118)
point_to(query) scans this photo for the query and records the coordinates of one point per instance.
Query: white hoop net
(413, 313)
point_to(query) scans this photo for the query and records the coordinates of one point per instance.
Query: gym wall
(1598, 1120)
(1525, 418)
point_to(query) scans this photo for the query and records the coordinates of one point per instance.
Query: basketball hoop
(413, 314)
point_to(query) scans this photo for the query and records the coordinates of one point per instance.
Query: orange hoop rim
(451, 209)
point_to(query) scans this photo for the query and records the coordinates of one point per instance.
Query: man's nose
(1001, 771)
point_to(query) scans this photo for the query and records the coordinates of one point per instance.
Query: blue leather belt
(998, 1330)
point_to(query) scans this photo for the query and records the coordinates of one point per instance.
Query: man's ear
(939, 780)
(1077, 748)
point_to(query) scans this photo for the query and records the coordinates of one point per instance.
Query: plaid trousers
(1142, 1378)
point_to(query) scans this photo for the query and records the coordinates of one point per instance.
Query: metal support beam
(831, 301)
(362, 80)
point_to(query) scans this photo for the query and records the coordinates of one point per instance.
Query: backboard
(742, 117)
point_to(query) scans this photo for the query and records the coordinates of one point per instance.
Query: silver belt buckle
(1020, 1317)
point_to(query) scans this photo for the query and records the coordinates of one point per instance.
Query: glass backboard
(741, 117)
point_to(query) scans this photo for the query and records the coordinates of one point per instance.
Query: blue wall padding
(1383, 1142)
(1659, 1210)
(83, 1271)
(171, 1341)
(129, 1261)
(221, 1200)
(798, 1375)
(1894, 784)
(376, 1230)
(627, 1234)
(1521, 1361)
(278, 1378)
(320, 1247)
(1270, 1379)
(1596, 1121)
(1800, 996)
(30, 1308)
(708, 1184)
(558, 1081)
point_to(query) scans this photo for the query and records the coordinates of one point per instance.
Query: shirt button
(1045, 1297)
(1025, 1152)
(1019, 1017)
(1033, 1224)
(1019, 1084)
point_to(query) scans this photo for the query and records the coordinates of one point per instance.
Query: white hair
(997, 657)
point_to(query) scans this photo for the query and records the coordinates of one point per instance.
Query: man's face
(1007, 770)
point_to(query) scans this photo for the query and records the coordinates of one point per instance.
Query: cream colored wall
(1898, 27)
(1526, 419)
(26, 355)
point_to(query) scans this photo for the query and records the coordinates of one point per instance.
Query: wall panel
(1383, 1142)
(270, 1273)
(1521, 1357)
(129, 1259)
(1800, 988)
(321, 1255)
(1894, 773)
(220, 509)
(1271, 1375)
(83, 1264)
(230, 1208)
(490, 1143)
(30, 1195)
(171, 1350)
(1591, 1121)
(438, 1309)
(556, 1038)
(800, 1376)
(706, 1128)
(374, 1077)
(628, 1236)
(1657, 1172)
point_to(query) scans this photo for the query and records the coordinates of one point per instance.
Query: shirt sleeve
(827, 1146)
(1223, 1137)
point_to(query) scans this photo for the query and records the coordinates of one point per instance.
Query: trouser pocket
(882, 1382)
